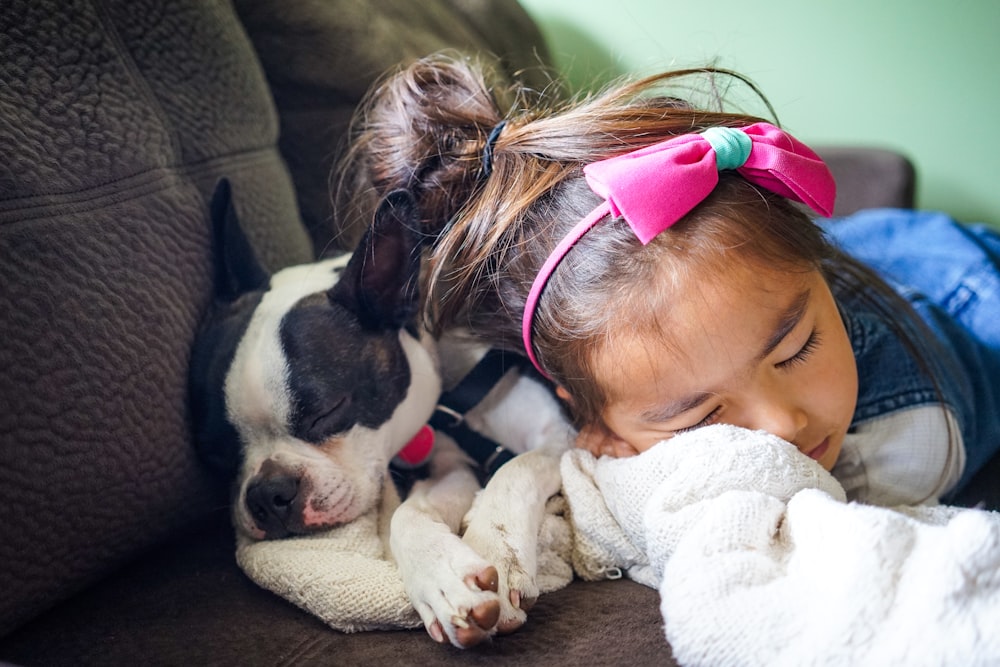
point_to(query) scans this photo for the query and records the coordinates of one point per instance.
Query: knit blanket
(347, 578)
(759, 559)
(343, 576)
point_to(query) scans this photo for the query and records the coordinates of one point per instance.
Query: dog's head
(306, 383)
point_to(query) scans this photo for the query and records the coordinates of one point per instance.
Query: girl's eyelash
(799, 357)
(804, 352)
(709, 418)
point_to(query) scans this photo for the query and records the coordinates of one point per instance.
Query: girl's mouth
(817, 452)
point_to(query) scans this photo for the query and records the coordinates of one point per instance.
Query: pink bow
(654, 187)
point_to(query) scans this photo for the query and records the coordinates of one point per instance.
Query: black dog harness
(449, 416)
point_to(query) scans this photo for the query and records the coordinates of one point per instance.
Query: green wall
(918, 76)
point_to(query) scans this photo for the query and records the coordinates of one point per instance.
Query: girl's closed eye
(800, 357)
(810, 346)
(710, 418)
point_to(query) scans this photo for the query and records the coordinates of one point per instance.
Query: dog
(307, 384)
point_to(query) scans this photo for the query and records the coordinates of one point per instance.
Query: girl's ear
(564, 395)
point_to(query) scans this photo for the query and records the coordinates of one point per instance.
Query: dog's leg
(451, 586)
(504, 523)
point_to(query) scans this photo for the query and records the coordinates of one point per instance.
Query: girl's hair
(425, 129)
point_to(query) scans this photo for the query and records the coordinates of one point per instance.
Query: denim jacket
(950, 274)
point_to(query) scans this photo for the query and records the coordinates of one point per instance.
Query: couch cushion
(188, 604)
(116, 119)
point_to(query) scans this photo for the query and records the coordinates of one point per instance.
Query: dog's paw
(516, 589)
(477, 623)
(456, 596)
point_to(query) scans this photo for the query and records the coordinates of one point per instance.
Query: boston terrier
(308, 384)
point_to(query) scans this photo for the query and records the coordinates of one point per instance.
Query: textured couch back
(116, 119)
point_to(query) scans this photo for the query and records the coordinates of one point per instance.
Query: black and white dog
(306, 384)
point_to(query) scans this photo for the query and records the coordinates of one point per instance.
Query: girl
(653, 258)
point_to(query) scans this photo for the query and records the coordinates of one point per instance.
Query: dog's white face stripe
(260, 406)
(296, 282)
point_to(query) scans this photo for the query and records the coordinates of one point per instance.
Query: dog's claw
(507, 627)
(518, 602)
(487, 614)
(437, 632)
(476, 627)
(486, 580)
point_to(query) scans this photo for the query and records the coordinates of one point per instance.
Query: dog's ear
(380, 282)
(215, 438)
(237, 269)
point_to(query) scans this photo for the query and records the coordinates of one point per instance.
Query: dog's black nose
(270, 501)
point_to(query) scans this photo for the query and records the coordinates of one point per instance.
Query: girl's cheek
(623, 449)
(590, 439)
(600, 442)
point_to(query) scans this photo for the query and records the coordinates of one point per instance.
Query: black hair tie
(491, 140)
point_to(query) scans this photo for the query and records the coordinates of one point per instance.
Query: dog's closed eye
(329, 420)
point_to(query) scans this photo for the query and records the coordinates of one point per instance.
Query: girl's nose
(780, 415)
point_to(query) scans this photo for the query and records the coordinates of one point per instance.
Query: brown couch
(116, 119)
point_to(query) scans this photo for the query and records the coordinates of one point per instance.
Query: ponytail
(423, 128)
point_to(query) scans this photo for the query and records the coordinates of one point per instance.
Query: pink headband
(654, 187)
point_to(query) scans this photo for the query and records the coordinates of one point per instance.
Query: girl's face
(758, 348)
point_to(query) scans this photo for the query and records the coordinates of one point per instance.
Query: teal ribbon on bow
(732, 146)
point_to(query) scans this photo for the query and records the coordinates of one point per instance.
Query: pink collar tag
(418, 450)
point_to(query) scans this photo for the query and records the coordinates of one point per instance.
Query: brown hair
(425, 129)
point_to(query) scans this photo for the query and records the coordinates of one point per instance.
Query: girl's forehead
(678, 294)
(675, 335)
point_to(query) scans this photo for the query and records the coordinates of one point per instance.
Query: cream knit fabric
(343, 576)
(759, 561)
(346, 577)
